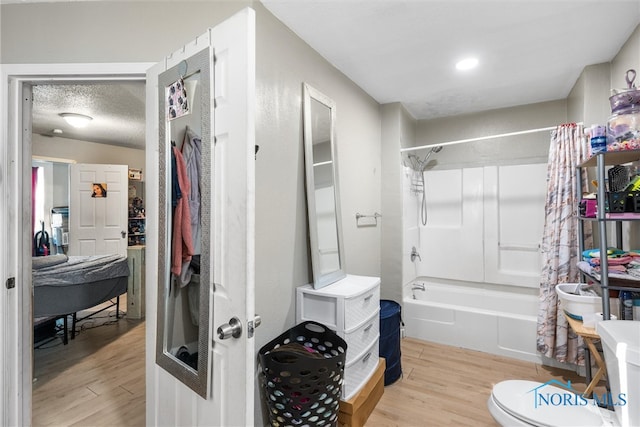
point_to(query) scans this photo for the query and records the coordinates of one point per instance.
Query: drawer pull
(368, 298)
(364, 359)
(368, 327)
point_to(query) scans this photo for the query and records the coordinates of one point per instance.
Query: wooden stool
(589, 335)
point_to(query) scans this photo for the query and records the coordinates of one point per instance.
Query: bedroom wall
(86, 152)
(61, 151)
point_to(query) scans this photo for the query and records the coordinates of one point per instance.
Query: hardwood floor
(449, 386)
(98, 379)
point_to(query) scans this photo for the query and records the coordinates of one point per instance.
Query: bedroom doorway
(98, 359)
(20, 144)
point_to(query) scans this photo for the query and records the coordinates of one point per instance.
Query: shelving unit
(136, 249)
(601, 161)
(137, 215)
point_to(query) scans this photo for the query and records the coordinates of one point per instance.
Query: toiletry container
(623, 127)
(626, 305)
(598, 140)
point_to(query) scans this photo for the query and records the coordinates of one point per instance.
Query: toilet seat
(513, 402)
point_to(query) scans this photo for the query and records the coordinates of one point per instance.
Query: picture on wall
(177, 103)
(99, 189)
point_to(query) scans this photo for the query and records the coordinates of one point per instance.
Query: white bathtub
(497, 321)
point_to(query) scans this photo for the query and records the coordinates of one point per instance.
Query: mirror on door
(184, 272)
(323, 196)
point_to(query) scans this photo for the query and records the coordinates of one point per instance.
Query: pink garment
(182, 242)
(617, 260)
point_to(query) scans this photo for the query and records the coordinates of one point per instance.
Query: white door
(231, 384)
(98, 209)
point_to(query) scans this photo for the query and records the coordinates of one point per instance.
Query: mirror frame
(320, 279)
(198, 379)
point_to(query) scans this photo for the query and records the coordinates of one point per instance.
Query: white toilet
(529, 403)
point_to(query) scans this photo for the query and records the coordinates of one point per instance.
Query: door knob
(123, 234)
(231, 329)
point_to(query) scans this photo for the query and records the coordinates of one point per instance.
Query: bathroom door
(230, 397)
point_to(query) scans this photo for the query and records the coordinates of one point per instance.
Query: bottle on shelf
(626, 305)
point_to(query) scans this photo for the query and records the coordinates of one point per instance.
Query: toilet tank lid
(622, 336)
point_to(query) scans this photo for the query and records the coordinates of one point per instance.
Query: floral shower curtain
(560, 244)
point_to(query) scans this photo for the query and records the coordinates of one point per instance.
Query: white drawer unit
(351, 308)
(359, 339)
(358, 372)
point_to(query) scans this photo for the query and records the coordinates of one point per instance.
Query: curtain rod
(481, 138)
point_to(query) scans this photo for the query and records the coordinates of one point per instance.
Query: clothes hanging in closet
(192, 153)
(182, 242)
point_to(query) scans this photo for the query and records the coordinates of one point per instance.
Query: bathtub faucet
(417, 287)
(415, 254)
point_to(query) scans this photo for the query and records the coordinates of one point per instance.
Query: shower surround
(478, 257)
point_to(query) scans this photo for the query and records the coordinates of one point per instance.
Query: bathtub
(477, 317)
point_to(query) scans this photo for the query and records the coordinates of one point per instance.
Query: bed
(64, 285)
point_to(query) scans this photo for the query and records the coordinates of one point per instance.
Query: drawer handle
(368, 327)
(364, 359)
(368, 298)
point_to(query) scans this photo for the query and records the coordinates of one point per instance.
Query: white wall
(398, 130)
(284, 63)
(86, 152)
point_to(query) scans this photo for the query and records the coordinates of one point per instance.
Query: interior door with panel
(98, 209)
(217, 69)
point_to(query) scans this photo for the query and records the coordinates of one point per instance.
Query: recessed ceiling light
(467, 64)
(57, 131)
(76, 120)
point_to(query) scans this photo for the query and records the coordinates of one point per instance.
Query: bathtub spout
(417, 287)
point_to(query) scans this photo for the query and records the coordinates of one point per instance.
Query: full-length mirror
(184, 221)
(323, 196)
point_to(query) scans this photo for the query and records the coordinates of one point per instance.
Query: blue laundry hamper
(390, 323)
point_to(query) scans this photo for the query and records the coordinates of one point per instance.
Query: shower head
(435, 149)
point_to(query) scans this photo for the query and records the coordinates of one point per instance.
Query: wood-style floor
(449, 386)
(98, 379)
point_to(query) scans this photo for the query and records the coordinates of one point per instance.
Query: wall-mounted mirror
(183, 344)
(323, 196)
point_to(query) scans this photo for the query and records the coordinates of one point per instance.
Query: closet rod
(481, 138)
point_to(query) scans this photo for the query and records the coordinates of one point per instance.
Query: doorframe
(16, 332)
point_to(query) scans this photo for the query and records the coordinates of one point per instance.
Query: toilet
(530, 403)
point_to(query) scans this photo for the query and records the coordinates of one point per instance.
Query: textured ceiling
(117, 108)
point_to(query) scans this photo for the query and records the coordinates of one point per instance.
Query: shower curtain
(559, 248)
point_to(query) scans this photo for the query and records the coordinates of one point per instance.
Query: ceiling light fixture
(76, 120)
(467, 64)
